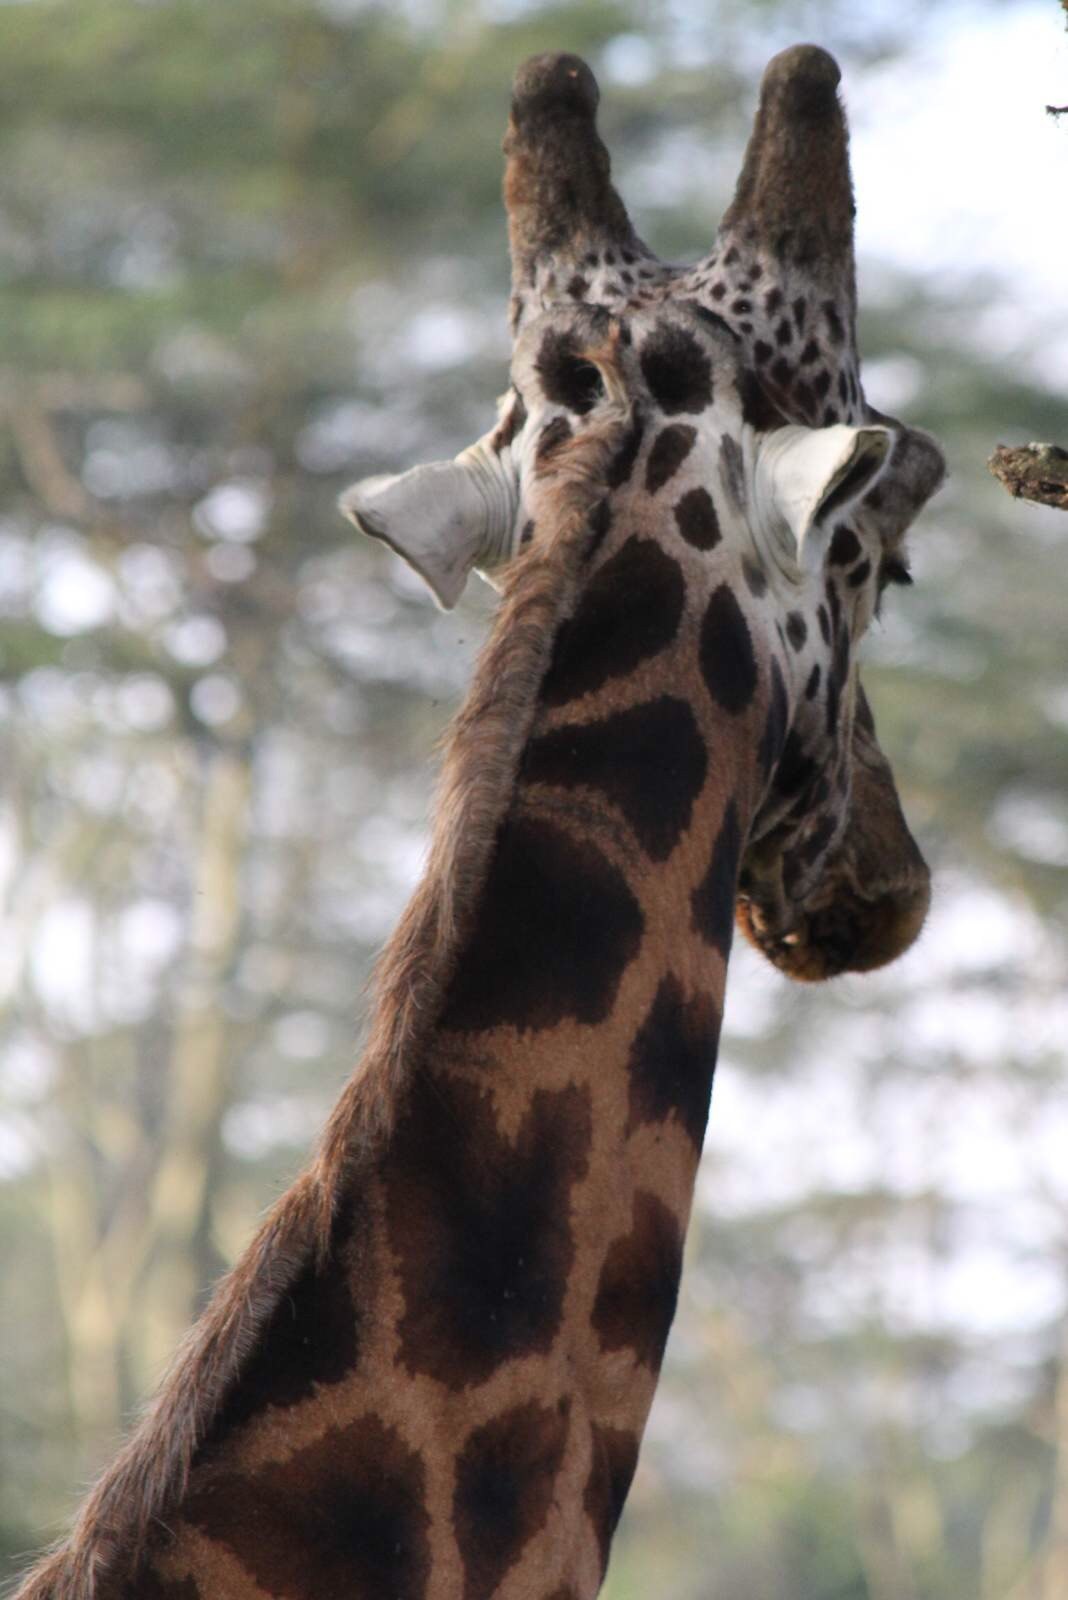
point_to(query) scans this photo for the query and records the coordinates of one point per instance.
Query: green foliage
(248, 252)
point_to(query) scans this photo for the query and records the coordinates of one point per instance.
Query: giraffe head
(745, 450)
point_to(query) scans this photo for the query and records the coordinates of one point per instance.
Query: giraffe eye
(585, 384)
(566, 378)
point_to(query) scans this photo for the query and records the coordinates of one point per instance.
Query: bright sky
(959, 170)
(960, 174)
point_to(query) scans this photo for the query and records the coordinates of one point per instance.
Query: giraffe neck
(470, 1366)
(463, 1367)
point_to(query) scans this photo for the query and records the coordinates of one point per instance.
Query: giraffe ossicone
(429, 1373)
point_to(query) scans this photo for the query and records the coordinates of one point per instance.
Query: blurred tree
(248, 253)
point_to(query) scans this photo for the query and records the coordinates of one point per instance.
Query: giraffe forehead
(679, 359)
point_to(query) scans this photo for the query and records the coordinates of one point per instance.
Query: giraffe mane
(481, 752)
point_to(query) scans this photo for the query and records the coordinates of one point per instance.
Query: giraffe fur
(429, 1374)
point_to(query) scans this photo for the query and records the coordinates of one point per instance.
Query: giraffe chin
(873, 892)
(850, 933)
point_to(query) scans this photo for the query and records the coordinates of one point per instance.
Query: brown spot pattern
(672, 1060)
(696, 519)
(649, 761)
(728, 663)
(480, 1225)
(677, 370)
(639, 1283)
(713, 899)
(669, 450)
(629, 611)
(615, 1456)
(311, 1338)
(342, 1516)
(563, 899)
(504, 1490)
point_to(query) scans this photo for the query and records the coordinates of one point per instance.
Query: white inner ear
(444, 518)
(809, 474)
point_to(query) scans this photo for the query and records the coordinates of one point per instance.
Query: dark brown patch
(728, 664)
(566, 378)
(758, 409)
(796, 770)
(771, 740)
(649, 761)
(859, 575)
(670, 448)
(782, 372)
(712, 319)
(834, 322)
(312, 1337)
(150, 1586)
(672, 1061)
(622, 464)
(845, 547)
(556, 928)
(504, 1488)
(615, 1456)
(343, 1515)
(712, 903)
(677, 370)
(629, 611)
(732, 471)
(639, 1283)
(796, 630)
(695, 515)
(479, 1225)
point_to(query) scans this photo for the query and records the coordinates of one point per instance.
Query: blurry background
(251, 251)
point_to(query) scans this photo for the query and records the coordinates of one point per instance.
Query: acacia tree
(246, 255)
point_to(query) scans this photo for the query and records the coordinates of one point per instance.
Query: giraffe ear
(809, 474)
(444, 518)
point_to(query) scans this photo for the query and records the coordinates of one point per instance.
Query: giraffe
(428, 1375)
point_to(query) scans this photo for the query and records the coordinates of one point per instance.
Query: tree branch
(1033, 472)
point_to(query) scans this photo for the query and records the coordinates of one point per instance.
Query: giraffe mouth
(872, 895)
(852, 932)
